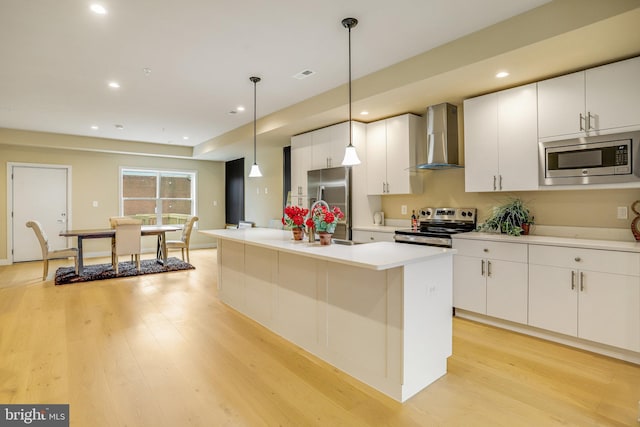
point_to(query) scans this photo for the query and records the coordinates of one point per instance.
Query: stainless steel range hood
(441, 148)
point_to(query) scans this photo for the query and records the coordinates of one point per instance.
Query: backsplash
(568, 208)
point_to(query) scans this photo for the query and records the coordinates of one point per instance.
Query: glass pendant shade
(255, 171)
(350, 156)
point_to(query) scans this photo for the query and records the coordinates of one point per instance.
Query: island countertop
(374, 256)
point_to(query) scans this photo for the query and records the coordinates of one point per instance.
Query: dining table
(110, 233)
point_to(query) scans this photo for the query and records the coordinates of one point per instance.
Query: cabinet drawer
(516, 252)
(586, 259)
(361, 236)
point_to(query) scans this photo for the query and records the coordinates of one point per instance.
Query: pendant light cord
(255, 81)
(350, 122)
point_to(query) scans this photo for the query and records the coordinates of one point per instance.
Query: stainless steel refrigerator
(333, 185)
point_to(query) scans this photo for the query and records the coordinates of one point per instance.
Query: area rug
(65, 275)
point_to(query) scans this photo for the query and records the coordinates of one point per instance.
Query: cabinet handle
(500, 185)
(573, 280)
(582, 119)
(577, 259)
(482, 268)
(589, 117)
(581, 281)
(485, 250)
(494, 183)
(488, 268)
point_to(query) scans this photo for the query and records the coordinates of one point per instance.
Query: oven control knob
(470, 214)
(464, 213)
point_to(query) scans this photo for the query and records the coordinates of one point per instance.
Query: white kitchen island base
(387, 323)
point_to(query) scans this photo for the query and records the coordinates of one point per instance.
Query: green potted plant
(512, 218)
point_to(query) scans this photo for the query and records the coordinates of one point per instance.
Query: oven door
(422, 238)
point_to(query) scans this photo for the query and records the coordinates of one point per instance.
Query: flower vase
(298, 233)
(325, 238)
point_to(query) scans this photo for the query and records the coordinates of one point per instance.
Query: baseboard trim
(616, 353)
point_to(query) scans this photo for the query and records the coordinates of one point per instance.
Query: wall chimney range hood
(440, 151)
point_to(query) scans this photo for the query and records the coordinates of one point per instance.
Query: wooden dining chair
(183, 243)
(127, 240)
(47, 252)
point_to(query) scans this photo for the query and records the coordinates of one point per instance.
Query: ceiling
(184, 67)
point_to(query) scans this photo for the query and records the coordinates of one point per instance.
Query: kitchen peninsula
(380, 312)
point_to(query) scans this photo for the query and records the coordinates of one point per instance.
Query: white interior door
(38, 193)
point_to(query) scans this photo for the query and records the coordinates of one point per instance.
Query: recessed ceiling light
(364, 113)
(240, 108)
(146, 71)
(94, 127)
(114, 85)
(185, 137)
(98, 9)
(502, 74)
(119, 127)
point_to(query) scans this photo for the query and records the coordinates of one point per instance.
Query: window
(157, 197)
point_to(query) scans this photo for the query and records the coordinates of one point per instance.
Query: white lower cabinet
(491, 278)
(586, 293)
(364, 236)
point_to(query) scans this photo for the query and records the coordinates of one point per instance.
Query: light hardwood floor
(162, 350)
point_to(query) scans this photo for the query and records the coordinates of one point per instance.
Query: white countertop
(375, 256)
(610, 245)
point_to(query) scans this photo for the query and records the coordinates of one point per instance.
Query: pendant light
(350, 154)
(255, 169)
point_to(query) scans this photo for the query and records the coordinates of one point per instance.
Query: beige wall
(263, 196)
(95, 178)
(579, 208)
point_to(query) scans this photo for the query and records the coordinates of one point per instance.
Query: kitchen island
(381, 312)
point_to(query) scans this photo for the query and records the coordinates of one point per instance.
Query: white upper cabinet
(377, 157)
(561, 106)
(613, 95)
(481, 143)
(391, 151)
(327, 149)
(300, 164)
(597, 101)
(501, 141)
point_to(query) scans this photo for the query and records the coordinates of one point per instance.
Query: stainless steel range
(436, 225)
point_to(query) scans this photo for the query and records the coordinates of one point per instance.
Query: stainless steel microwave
(603, 159)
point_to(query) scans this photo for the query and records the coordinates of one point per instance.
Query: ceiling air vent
(303, 74)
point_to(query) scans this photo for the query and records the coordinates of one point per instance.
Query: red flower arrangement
(324, 219)
(294, 217)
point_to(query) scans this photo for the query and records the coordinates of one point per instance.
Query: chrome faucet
(312, 233)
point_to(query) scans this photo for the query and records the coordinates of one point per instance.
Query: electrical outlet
(403, 209)
(215, 203)
(623, 212)
(266, 190)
